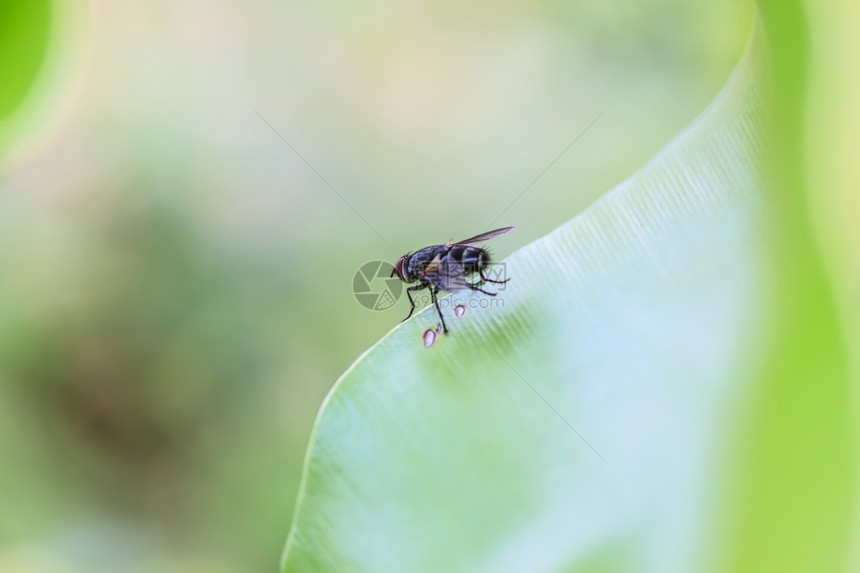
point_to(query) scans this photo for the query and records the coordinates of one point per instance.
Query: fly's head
(400, 268)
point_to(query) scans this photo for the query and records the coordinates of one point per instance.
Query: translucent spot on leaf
(429, 337)
(460, 311)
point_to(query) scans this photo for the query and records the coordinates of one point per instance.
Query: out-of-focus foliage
(24, 37)
(795, 504)
(23, 43)
(175, 286)
(42, 47)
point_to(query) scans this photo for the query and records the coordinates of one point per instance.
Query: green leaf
(24, 34)
(792, 506)
(42, 49)
(590, 423)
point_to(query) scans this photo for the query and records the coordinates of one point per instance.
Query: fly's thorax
(419, 260)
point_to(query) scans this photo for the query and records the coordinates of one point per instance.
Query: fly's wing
(444, 273)
(484, 237)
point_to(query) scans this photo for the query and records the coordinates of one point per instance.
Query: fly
(447, 268)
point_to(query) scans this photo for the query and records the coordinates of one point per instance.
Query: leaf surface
(576, 425)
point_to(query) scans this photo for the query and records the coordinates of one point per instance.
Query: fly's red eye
(398, 268)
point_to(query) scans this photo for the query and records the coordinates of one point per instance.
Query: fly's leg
(410, 290)
(486, 280)
(477, 287)
(433, 293)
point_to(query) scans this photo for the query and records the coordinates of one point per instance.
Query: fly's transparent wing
(445, 273)
(484, 237)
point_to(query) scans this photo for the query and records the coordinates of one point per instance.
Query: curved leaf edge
(751, 62)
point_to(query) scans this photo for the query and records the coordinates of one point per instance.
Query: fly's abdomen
(472, 259)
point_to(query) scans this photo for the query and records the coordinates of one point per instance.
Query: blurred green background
(175, 282)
